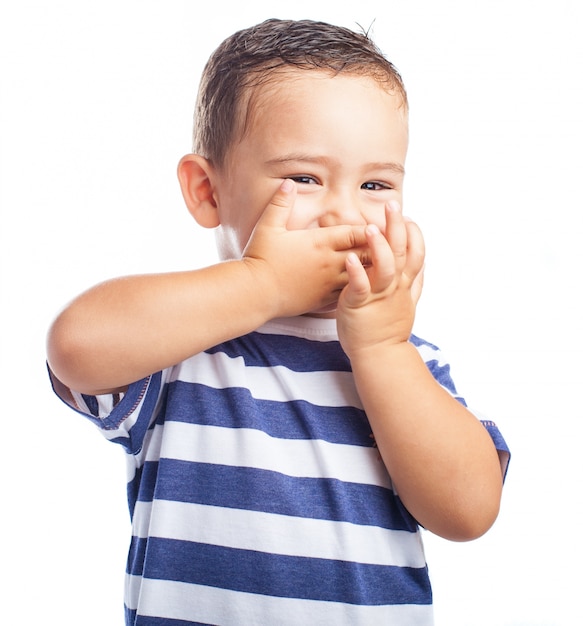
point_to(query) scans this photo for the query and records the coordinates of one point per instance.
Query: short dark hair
(250, 57)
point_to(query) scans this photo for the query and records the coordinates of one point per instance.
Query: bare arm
(441, 459)
(128, 328)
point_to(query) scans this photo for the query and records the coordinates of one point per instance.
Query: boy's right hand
(124, 329)
(299, 271)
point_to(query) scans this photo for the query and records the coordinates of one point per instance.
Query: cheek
(378, 218)
(376, 212)
(305, 213)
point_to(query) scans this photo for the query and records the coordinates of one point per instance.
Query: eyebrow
(307, 158)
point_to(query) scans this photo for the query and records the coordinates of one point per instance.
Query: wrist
(389, 352)
(263, 288)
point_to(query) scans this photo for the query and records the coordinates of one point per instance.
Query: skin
(307, 218)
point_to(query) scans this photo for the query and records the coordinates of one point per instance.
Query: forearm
(128, 328)
(441, 459)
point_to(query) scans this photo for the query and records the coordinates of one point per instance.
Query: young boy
(286, 435)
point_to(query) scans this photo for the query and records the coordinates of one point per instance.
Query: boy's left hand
(378, 304)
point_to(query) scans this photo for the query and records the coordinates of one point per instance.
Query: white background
(96, 106)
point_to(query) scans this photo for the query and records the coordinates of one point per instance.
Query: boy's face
(343, 139)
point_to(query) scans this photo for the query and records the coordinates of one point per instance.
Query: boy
(286, 435)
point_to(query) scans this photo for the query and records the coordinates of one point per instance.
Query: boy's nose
(341, 209)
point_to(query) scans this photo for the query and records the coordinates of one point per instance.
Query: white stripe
(277, 383)
(278, 534)
(246, 447)
(312, 328)
(173, 600)
(150, 451)
(429, 353)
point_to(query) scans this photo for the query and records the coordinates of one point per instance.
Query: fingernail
(287, 185)
(394, 206)
(372, 229)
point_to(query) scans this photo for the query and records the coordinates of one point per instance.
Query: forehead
(292, 93)
(345, 119)
(301, 101)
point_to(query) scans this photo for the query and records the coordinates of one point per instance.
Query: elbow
(469, 520)
(470, 527)
(65, 348)
(471, 506)
(59, 350)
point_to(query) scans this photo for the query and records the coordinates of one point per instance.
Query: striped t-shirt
(256, 492)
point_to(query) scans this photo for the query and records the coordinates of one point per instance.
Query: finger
(343, 238)
(382, 270)
(396, 234)
(358, 286)
(280, 206)
(415, 250)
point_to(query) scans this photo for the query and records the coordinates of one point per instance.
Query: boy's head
(305, 101)
(256, 56)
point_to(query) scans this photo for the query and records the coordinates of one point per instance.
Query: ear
(196, 176)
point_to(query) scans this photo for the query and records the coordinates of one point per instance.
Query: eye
(304, 180)
(375, 186)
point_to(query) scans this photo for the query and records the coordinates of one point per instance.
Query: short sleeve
(122, 418)
(440, 369)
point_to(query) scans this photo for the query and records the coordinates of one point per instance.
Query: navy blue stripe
(92, 405)
(136, 556)
(130, 616)
(304, 355)
(234, 407)
(271, 492)
(497, 437)
(139, 429)
(295, 353)
(285, 576)
(133, 490)
(144, 620)
(442, 375)
(417, 341)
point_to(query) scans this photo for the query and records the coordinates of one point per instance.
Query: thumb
(280, 206)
